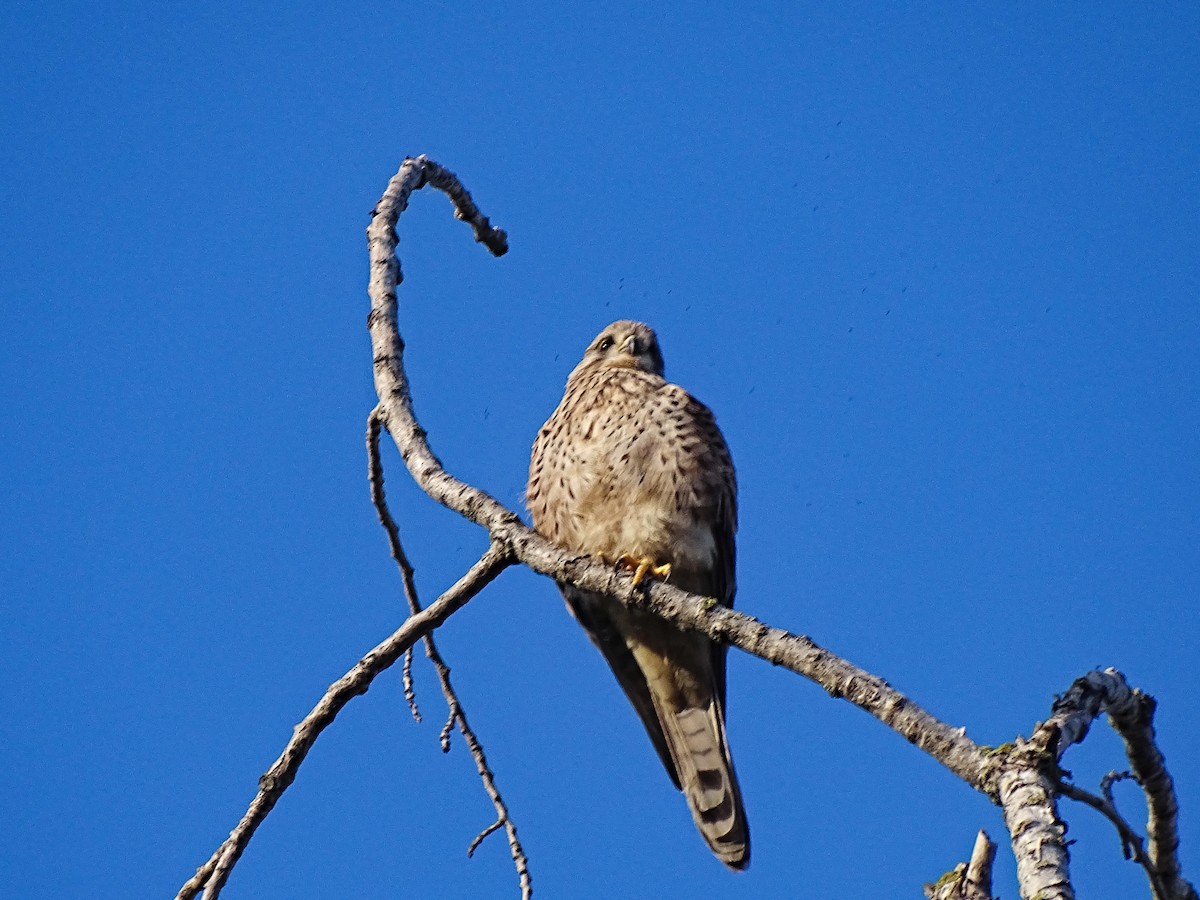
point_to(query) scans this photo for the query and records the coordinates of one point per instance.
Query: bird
(632, 469)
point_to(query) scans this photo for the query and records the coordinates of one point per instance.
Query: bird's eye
(605, 343)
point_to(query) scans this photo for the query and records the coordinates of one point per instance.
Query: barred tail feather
(696, 738)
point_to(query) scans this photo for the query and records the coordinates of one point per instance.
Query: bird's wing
(591, 612)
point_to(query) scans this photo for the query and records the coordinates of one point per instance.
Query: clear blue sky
(935, 269)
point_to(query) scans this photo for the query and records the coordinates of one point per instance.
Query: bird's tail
(700, 750)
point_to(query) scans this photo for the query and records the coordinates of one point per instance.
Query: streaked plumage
(630, 465)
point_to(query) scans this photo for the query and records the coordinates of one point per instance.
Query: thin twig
(1132, 845)
(1107, 782)
(406, 681)
(375, 478)
(211, 877)
(458, 715)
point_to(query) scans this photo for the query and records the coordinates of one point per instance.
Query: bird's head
(624, 345)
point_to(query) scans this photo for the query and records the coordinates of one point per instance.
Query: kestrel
(633, 469)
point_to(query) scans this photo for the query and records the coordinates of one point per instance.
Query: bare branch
(800, 654)
(1134, 721)
(1132, 844)
(1025, 789)
(1027, 781)
(1026, 785)
(968, 881)
(1131, 713)
(458, 715)
(979, 872)
(385, 275)
(406, 682)
(375, 478)
(391, 384)
(211, 877)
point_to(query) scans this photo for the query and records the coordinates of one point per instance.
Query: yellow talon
(641, 566)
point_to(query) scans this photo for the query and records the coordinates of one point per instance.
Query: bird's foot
(641, 566)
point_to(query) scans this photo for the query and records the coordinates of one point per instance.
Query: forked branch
(211, 877)
(1131, 714)
(457, 715)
